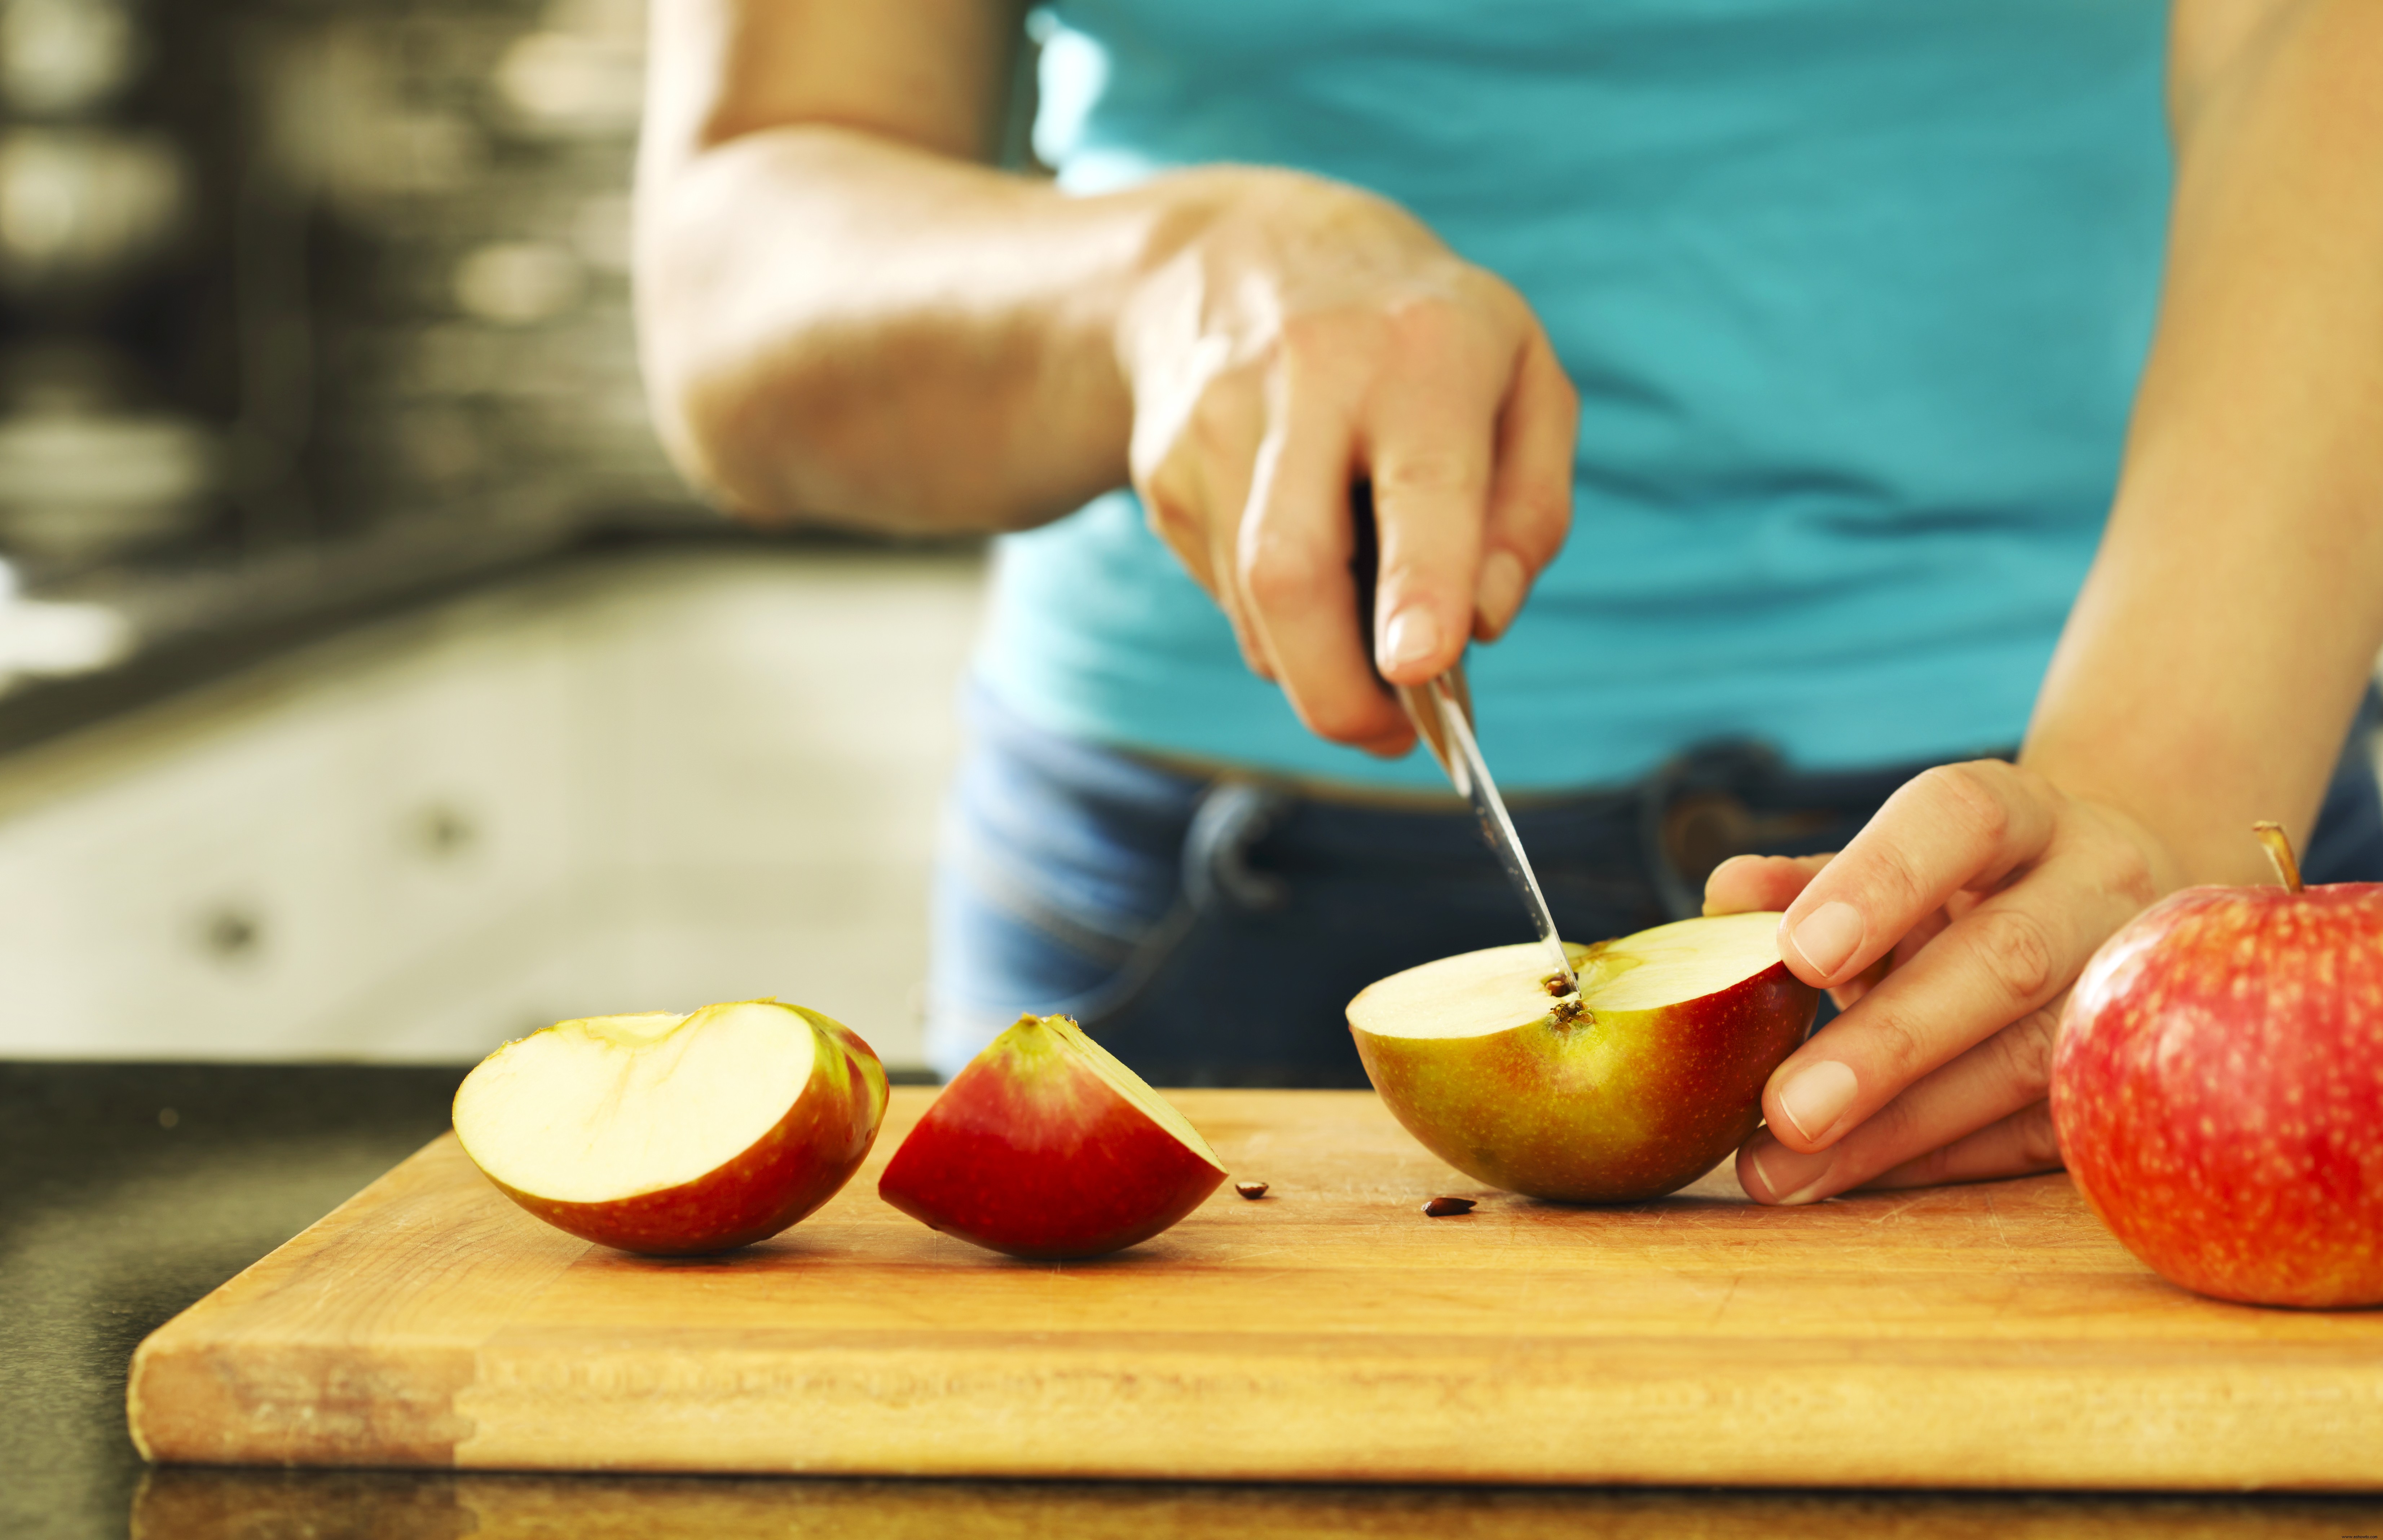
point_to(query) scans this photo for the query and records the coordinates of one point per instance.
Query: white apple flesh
(674, 1134)
(1630, 1090)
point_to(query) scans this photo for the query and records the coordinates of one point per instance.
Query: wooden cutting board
(1971, 1337)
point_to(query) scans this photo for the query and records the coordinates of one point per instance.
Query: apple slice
(1630, 1089)
(671, 1135)
(1046, 1146)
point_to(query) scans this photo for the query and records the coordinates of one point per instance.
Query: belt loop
(1233, 816)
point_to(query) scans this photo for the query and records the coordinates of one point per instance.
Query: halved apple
(1046, 1146)
(672, 1134)
(1631, 1088)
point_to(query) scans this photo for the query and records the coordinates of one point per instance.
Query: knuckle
(1307, 333)
(2015, 950)
(2127, 874)
(2025, 1050)
(1427, 319)
(1278, 572)
(1924, 1170)
(1433, 474)
(1971, 794)
(1327, 343)
(1897, 1046)
(1222, 421)
(2037, 1142)
(1888, 1130)
(1535, 521)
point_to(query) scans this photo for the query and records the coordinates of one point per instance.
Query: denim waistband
(1702, 805)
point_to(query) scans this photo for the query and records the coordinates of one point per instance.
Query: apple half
(1046, 1146)
(1631, 1088)
(675, 1135)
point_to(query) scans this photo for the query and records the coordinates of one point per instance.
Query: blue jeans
(1210, 931)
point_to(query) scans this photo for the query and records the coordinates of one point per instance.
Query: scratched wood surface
(1989, 1336)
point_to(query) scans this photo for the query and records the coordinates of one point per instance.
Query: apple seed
(1442, 1208)
(1250, 1189)
(1556, 984)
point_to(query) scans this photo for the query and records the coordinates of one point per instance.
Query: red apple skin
(1515, 1109)
(2217, 1090)
(780, 1177)
(1029, 1151)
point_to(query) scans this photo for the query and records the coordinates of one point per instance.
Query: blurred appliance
(278, 275)
(92, 204)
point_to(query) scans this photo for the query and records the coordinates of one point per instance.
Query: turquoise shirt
(1855, 293)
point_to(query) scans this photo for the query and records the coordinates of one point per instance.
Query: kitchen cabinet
(632, 783)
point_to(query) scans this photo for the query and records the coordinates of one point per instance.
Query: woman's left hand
(1948, 931)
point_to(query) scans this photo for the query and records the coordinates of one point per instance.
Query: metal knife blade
(1441, 709)
(1442, 703)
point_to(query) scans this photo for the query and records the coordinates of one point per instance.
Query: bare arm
(2213, 661)
(2209, 669)
(845, 314)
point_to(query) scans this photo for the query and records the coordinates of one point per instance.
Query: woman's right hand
(1291, 335)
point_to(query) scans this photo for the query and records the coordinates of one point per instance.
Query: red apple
(1046, 1146)
(2218, 1089)
(1631, 1088)
(672, 1134)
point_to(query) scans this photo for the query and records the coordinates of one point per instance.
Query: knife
(1441, 709)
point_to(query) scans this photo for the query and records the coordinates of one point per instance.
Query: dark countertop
(126, 1191)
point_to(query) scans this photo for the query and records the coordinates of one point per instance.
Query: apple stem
(2279, 853)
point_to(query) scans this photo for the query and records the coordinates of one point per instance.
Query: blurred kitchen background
(370, 687)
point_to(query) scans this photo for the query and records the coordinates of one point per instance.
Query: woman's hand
(1949, 932)
(1292, 335)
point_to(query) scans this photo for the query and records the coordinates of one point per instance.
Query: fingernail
(1498, 591)
(1788, 1176)
(1412, 635)
(1828, 937)
(1816, 1096)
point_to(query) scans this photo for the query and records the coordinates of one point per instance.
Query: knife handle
(1366, 567)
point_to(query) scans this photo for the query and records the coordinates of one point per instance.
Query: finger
(2011, 954)
(1530, 487)
(1293, 560)
(1954, 827)
(2019, 1145)
(1753, 884)
(2008, 1071)
(1194, 499)
(1426, 436)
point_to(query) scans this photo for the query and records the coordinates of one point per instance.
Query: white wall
(655, 781)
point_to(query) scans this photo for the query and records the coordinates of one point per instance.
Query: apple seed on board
(1446, 1208)
(1252, 1191)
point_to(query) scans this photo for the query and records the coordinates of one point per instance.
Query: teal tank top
(1855, 293)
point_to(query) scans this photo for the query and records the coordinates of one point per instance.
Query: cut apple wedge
(1046, 1146)
(1631, 1088)
(672, 1134)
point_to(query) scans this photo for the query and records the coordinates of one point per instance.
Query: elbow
(788, 432)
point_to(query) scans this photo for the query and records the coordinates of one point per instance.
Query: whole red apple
(2218, 1089)
(672, 1134)
(1047, 1147)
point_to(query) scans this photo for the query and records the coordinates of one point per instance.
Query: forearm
(2233, 615)
(837, 325)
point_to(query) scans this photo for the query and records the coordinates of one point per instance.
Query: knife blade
(1444, 703)
(1441, 709)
